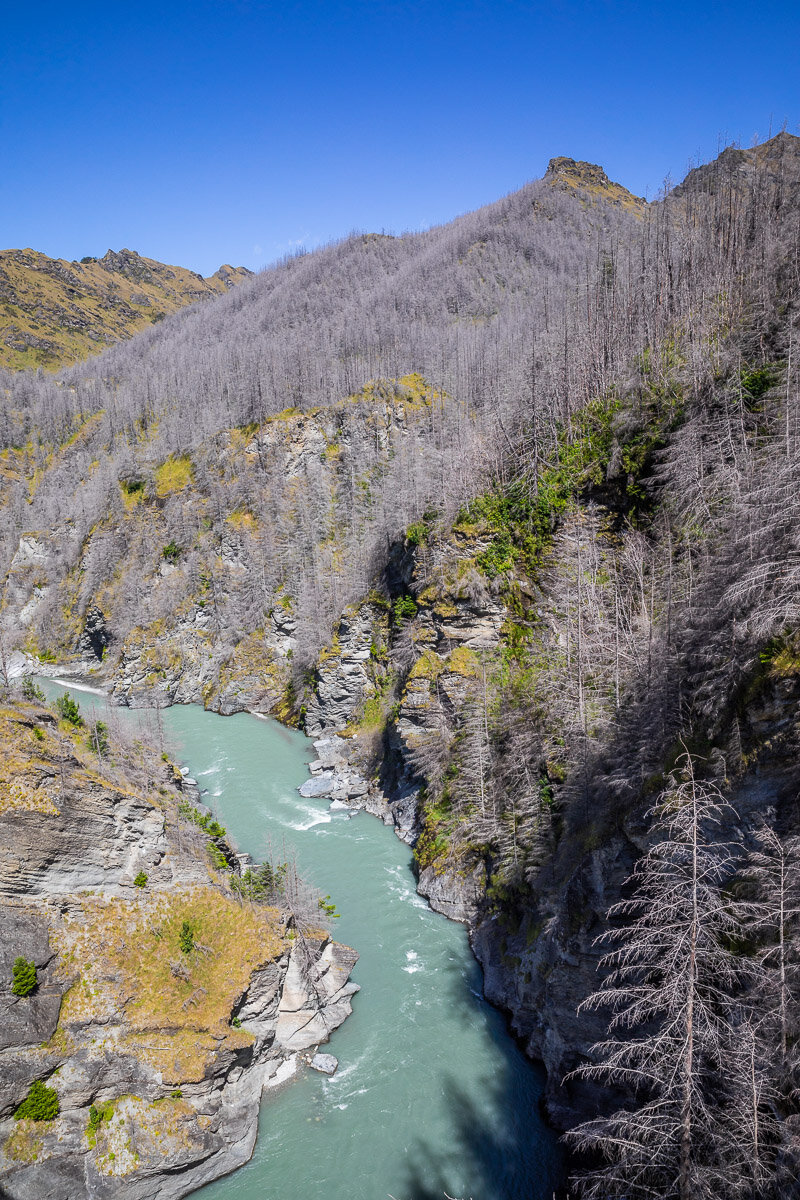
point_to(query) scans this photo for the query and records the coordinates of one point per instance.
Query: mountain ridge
(509, 507)
(54, 312)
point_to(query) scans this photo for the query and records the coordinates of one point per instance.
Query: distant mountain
(54, 312)
(776, 163)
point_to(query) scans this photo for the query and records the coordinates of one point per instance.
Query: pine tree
(23, 976)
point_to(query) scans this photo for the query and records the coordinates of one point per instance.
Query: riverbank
(424, 1060)
(163, 1006)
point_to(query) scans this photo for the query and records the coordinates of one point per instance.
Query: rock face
(184, 664)
(171, 1043)
(591, 180)
(346, 672)
(777, 160)
(96, 637)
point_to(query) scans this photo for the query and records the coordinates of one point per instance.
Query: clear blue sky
(200, 133)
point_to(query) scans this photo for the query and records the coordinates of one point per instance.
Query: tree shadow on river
(519, 1160)
(499, 1147)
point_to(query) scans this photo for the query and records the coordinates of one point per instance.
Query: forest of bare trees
(607, 395)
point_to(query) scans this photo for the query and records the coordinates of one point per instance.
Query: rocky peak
(777, 159)
(124, 262)
(574, 175)
(576, 172)
(230, 276)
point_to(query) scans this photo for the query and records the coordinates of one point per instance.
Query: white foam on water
(410, 897)
(412, 965)
(314, 817)
(80, 687)
(343, 1073)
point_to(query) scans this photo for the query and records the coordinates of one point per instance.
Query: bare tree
(772, 918)
(671, 988)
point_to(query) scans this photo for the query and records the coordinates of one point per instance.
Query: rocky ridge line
(54, 312)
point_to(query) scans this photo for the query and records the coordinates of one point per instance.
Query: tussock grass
(123, 950)
(173, 475)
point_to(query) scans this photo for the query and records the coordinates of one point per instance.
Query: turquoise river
(432, 1096)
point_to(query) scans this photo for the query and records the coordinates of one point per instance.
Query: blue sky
(201, 133)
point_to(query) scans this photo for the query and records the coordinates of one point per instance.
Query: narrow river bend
(431, 1096)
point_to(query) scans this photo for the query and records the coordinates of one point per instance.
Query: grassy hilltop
(54, 312)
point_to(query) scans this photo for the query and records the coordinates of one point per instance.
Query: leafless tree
(671, 989)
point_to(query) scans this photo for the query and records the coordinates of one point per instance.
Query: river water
(432, 1096)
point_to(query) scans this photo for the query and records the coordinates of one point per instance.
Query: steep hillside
(54, 312)
(505, 514)
(438, 334)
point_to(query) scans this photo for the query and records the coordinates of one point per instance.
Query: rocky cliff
(163, 1003)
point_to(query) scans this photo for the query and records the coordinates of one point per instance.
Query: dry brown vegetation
(124, 951)
(54, 312)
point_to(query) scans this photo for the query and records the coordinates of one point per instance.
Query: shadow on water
(504, 1158)
(502, 1163)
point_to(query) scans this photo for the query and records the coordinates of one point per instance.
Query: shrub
(31, 690)
(171, 552)
(328, 907)
(206, 822)
(23, 976)
(404, 607)
(98, 738)
(40, 1104)
(757, 383)
(68, 710)
(140, 880)
(217, 857)
(97, 1114)
(417, 534)
(186, 937)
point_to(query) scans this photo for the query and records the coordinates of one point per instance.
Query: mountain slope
(509, 505)
(54, 312)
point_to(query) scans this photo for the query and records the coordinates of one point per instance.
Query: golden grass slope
(127, 952)
(54, 312)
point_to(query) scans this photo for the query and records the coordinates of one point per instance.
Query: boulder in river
(325, 1063)
(322, 785)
